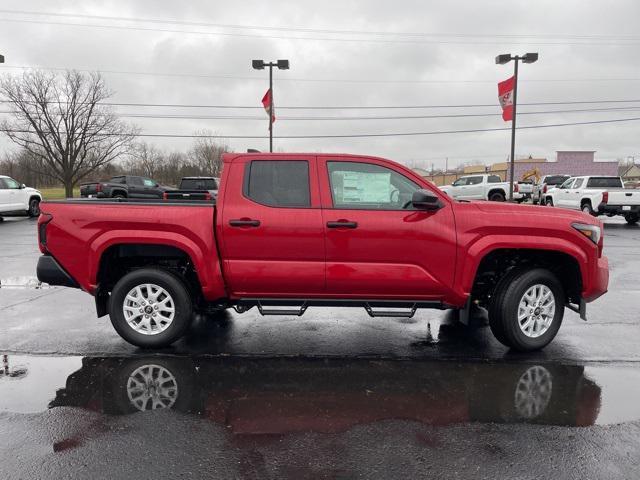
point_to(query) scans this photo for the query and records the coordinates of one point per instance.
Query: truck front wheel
(150, 308)
(527, 309)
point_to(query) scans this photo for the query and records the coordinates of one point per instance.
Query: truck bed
(80, 230)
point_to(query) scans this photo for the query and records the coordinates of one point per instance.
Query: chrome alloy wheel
(533, 392)
(536, 310)
(148, 309)
(152, 387)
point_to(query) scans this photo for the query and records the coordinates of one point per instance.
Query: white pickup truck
(597, 196)
(481, 187)
(16, 199)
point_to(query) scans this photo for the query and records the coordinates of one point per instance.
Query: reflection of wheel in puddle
(533, 392)
(152, 387)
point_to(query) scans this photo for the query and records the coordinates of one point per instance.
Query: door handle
(342, 224)
(244, 222)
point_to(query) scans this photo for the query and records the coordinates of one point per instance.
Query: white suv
(16, 199)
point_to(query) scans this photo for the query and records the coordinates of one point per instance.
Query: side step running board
(390, 313)
(270, 310)
(297, 307)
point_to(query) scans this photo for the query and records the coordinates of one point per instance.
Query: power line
(367, 135)
(351, 118)
(230, 76)
(605, 42)
(318, 30)
(353, 107)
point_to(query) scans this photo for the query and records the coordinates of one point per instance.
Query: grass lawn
(57, 193)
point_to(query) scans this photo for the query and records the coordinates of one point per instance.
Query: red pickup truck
(290, 231)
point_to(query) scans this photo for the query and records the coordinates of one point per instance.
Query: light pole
(501, 60)
(259, 65)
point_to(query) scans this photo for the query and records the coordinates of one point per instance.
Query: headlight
(592, 232)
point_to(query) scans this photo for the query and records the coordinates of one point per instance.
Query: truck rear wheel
(632, 218)
(527, 309)
(496, 197)
(150, 308)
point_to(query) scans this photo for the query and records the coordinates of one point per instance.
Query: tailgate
(624, 197)
(89, 188)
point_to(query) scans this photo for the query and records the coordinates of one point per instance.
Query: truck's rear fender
(205, 264)
(495, 255)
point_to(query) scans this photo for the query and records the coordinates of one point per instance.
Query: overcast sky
(589, 51)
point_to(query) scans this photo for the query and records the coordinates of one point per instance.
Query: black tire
(34, 207)
(549, 202)
(632, 218)
(496, 300)
(586, 208)
(119, 195)
(535, 202)
(503, 317)
(180, 297)
(497, 197)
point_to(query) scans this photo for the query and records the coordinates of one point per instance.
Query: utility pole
(501, 60)
(259, 65)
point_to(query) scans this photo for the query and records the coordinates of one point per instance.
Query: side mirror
(23, 186)
(425, 200)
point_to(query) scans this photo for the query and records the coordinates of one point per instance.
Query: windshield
(604, 182)
(198, 184)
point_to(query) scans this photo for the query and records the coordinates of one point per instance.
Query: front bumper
(49, 271)
(599, 281)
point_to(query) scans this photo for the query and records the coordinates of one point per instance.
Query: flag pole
(271, 112)
(513, 128)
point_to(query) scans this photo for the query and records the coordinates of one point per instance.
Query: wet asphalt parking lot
(333, 394)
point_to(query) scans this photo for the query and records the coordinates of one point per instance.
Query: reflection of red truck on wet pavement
(281, 396)
(291, 231)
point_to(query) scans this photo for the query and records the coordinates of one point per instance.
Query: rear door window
(278, 183)
(604, 182)
(494, 179)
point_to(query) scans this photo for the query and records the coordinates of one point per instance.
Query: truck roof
(230, 157)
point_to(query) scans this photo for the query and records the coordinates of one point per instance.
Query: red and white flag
(267, 102)
(505, 96)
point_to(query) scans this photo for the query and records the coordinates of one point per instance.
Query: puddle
(22, 282)
(280, 396)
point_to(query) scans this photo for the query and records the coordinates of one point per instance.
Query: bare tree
(60, 119)
(206, 154)
(149, 158)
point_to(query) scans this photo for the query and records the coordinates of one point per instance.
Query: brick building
(573, 163)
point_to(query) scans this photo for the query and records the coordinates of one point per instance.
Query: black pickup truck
(123, 186)
(195, 188)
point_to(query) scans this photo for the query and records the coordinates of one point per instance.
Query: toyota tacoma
(292, 231)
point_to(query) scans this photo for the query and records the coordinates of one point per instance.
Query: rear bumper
(49, 271)
(606, 209)
(599, 281)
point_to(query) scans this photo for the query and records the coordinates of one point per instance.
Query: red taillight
(43, 221)
(605, 197)
(99, 187)
(165, 196)
(516, 188)
(207, 196)
(544, 189)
